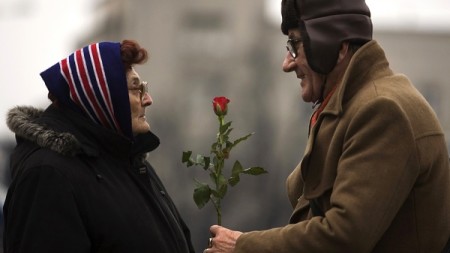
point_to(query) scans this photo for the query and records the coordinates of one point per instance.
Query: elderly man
(375, 176)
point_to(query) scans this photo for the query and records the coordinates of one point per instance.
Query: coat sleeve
(375, 174)
(184, 228)
(41, 215)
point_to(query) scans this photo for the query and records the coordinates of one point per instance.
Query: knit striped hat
(93, 81)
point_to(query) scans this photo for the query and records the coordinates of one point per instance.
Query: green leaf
(200, 160)
(207, 163)
(225, 138)
(224, 127)
(213, 177)
(234, 180)
(214, 194)
(202, 195)
(187, 158)
(242, 139)
(227, 133)
(235, 171)
(222, 181)
(214, 147)
(228, 144)
(221, 186)
(254, 171)
(215, 160)
(222, 191)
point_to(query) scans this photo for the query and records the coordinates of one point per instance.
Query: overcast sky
(38, 33)
(35, 35)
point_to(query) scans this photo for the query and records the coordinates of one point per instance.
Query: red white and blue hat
(93, 81)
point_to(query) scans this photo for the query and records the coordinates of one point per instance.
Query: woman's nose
(147, 99)
(288, 63)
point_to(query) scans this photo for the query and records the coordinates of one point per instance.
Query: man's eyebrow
(293, 36)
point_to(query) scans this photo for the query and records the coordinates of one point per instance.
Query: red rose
(215, 164)
(220, 105)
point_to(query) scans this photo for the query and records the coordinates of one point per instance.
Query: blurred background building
(206, 48)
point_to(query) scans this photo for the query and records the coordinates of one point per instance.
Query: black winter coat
(78, 187)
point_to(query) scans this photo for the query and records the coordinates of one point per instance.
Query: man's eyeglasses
(291, 46)
(142, 89)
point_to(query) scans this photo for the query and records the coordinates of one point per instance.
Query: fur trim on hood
(21, 121)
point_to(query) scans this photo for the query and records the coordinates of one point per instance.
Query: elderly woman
(81, 182)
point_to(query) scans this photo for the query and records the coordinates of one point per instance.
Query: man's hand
(223, 240)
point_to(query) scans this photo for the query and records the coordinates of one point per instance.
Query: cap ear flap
(321, 51)
(325, 40)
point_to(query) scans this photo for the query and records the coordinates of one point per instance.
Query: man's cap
(324, 25)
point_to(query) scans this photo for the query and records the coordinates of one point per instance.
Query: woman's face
(139, 100)
(311, 81)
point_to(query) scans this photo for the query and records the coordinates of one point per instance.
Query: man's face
(139, 100)
(311, 82)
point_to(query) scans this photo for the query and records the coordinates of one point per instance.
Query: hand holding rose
(223, 240)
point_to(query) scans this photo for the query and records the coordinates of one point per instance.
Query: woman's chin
(143, 127)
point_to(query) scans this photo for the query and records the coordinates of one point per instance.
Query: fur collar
(22, 121)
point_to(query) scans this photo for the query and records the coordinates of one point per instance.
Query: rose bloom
(220, 105)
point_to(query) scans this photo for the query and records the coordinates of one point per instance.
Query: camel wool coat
(375, 171)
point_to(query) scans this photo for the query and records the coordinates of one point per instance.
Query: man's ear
(343, 51)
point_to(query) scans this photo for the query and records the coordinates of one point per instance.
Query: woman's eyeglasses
(142, 89)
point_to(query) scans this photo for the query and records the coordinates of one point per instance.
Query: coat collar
(67, 132)
(368, 63)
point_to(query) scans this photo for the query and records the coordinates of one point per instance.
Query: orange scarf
(319, 110)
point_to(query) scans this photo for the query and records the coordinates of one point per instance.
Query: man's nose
(288, 63)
